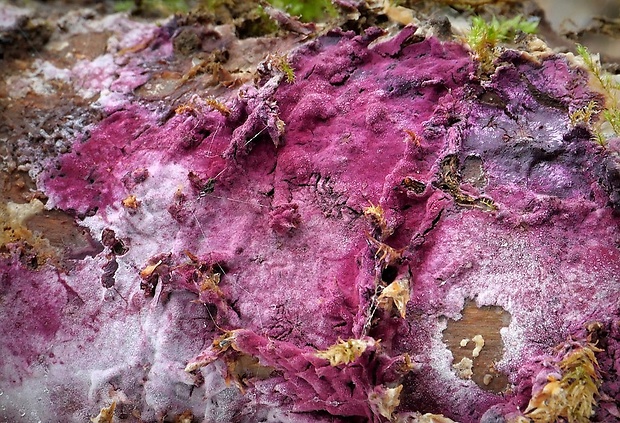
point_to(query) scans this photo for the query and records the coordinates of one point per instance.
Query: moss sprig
(484, 37)
(585, 114)
(573, 396)
(606, 85)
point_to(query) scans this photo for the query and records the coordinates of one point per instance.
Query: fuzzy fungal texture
(291, 250)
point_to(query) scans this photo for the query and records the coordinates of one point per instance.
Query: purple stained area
(250, 226)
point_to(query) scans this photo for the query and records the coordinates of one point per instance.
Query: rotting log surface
(241, 233)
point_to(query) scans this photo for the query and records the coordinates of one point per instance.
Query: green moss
(124, 5)
(593, 64)
(609, 88)
(152, 7)
(484, 36)
(490, 33)
(256, 23)
(307, 10)
(573, 397)
(612, 115)
(281, 62)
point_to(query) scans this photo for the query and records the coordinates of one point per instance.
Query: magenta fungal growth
(242, 281)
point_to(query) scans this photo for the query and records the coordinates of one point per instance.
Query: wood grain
(487, 322)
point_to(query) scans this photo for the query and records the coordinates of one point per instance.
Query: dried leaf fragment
(210, 282)
(131, 202)
(385, 400)
(184, 417)
(385, 254)
(395, 294)
(148, 270)
(243, 367)
(222, 343)
(212, 353)
(105, 415)
(344, 352)
(376, 217)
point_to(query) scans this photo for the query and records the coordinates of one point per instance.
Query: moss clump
(484, 37)
(571, 397)
(604, 83)
(307, 10)
(282, 63)
(152, 8)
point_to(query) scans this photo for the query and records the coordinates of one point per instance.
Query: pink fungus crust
(250, 250)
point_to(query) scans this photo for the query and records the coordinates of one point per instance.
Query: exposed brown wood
(487, 322)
